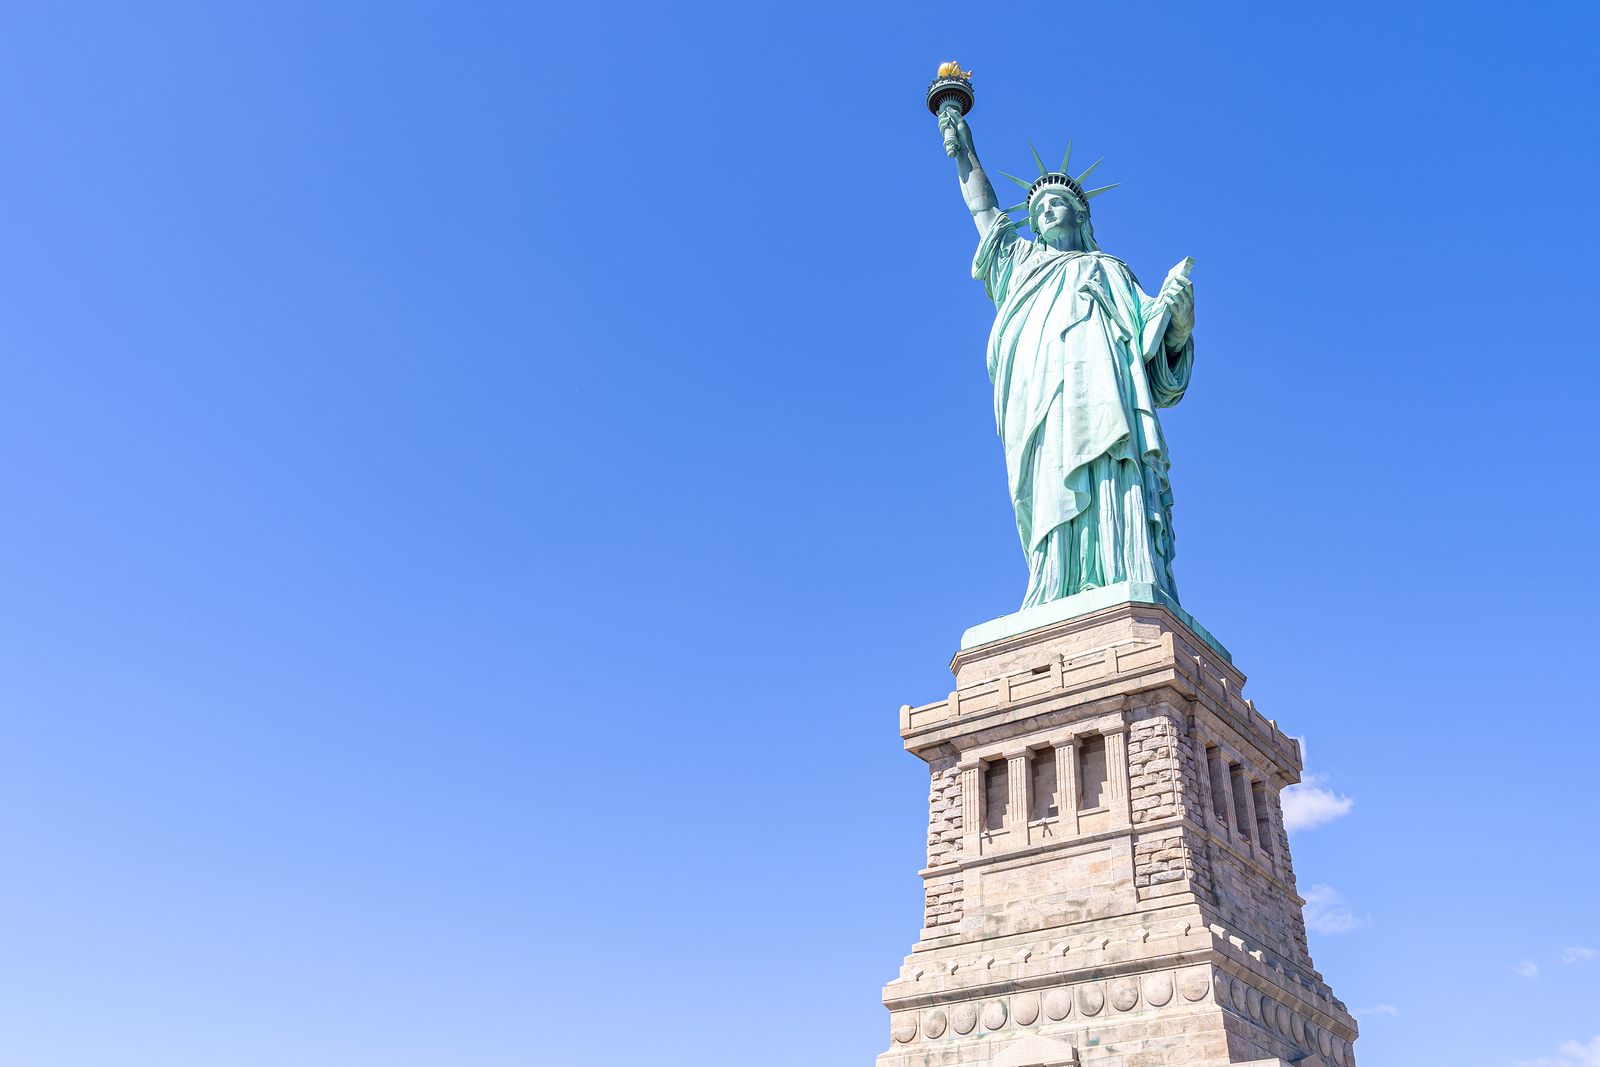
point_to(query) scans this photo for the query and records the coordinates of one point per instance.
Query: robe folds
(1079, 365)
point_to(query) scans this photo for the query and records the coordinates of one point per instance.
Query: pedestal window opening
(996, 794)
(1241, 800)
(1092, 772)
(1263, 821)
(1043, 794)
(1219, 783)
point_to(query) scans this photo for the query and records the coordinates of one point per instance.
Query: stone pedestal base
(1108, 878)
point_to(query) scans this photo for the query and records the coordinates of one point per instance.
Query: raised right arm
(975, 187)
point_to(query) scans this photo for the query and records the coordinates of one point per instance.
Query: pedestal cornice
(1123, 649)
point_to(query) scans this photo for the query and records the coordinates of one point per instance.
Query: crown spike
(1014, 178)
(1092, 193)
(1043, 170)
(1085, 174)
(1066, 159)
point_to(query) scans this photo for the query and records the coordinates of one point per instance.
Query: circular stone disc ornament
(1325, 1044)
(1058, 1004)
(1090, 999)
(1193, 984)
(904, 1026)
(1236, 994)
(1281, 1020)
(994, 1015)
(963, 1017)
(1157, 989)
(934, 1023)
(1254, 1000)
(1124, 993)
(1025, 1009)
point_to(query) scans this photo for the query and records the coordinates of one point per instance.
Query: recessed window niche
(996, 794)
(1092, 772)
(1042, 790)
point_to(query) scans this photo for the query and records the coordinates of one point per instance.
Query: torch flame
(953, 69)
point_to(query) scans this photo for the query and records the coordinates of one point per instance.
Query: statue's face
(1055, 213)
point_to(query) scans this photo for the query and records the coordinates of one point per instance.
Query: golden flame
(953, 69)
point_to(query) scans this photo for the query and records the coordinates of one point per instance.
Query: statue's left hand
(1178, 297)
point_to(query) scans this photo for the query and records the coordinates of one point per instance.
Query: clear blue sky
(480, 480)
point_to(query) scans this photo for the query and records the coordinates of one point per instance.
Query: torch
(952, 88)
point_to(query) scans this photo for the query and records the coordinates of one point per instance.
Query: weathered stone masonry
(1108, 876)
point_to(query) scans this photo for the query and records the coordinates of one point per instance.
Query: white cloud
(1525, 969)
(1327, 913)
(1376, 1009)
(1577, 955)
(1309, 805)
(1570, 1054)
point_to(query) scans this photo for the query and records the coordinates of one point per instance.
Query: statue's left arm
(1168, 337)
(1177, 299)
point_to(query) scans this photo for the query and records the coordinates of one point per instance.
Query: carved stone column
(1117, 774)
(1017, 798)
(971, 799)
(1252, 827)
(1232, 817)
(1067, 785)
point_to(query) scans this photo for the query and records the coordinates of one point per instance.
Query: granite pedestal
(1109, 880)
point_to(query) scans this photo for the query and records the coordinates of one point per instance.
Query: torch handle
(951, 144)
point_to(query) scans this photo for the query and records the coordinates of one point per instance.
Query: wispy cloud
(1570, 1054)
(1327, 913)
(1577, 954)
(1525, 969)
(1376, 1009)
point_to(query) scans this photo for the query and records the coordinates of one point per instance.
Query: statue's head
(1058, 205)
(1053, 213)
(1059, 214)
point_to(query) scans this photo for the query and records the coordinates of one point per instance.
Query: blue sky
(480, 482)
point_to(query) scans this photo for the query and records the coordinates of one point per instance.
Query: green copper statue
(1080, 358)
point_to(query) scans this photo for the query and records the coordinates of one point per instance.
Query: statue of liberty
(1080, 358)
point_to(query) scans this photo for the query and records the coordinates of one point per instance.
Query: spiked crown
(1057, 180)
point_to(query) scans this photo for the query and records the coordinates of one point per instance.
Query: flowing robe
(1079, 365)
